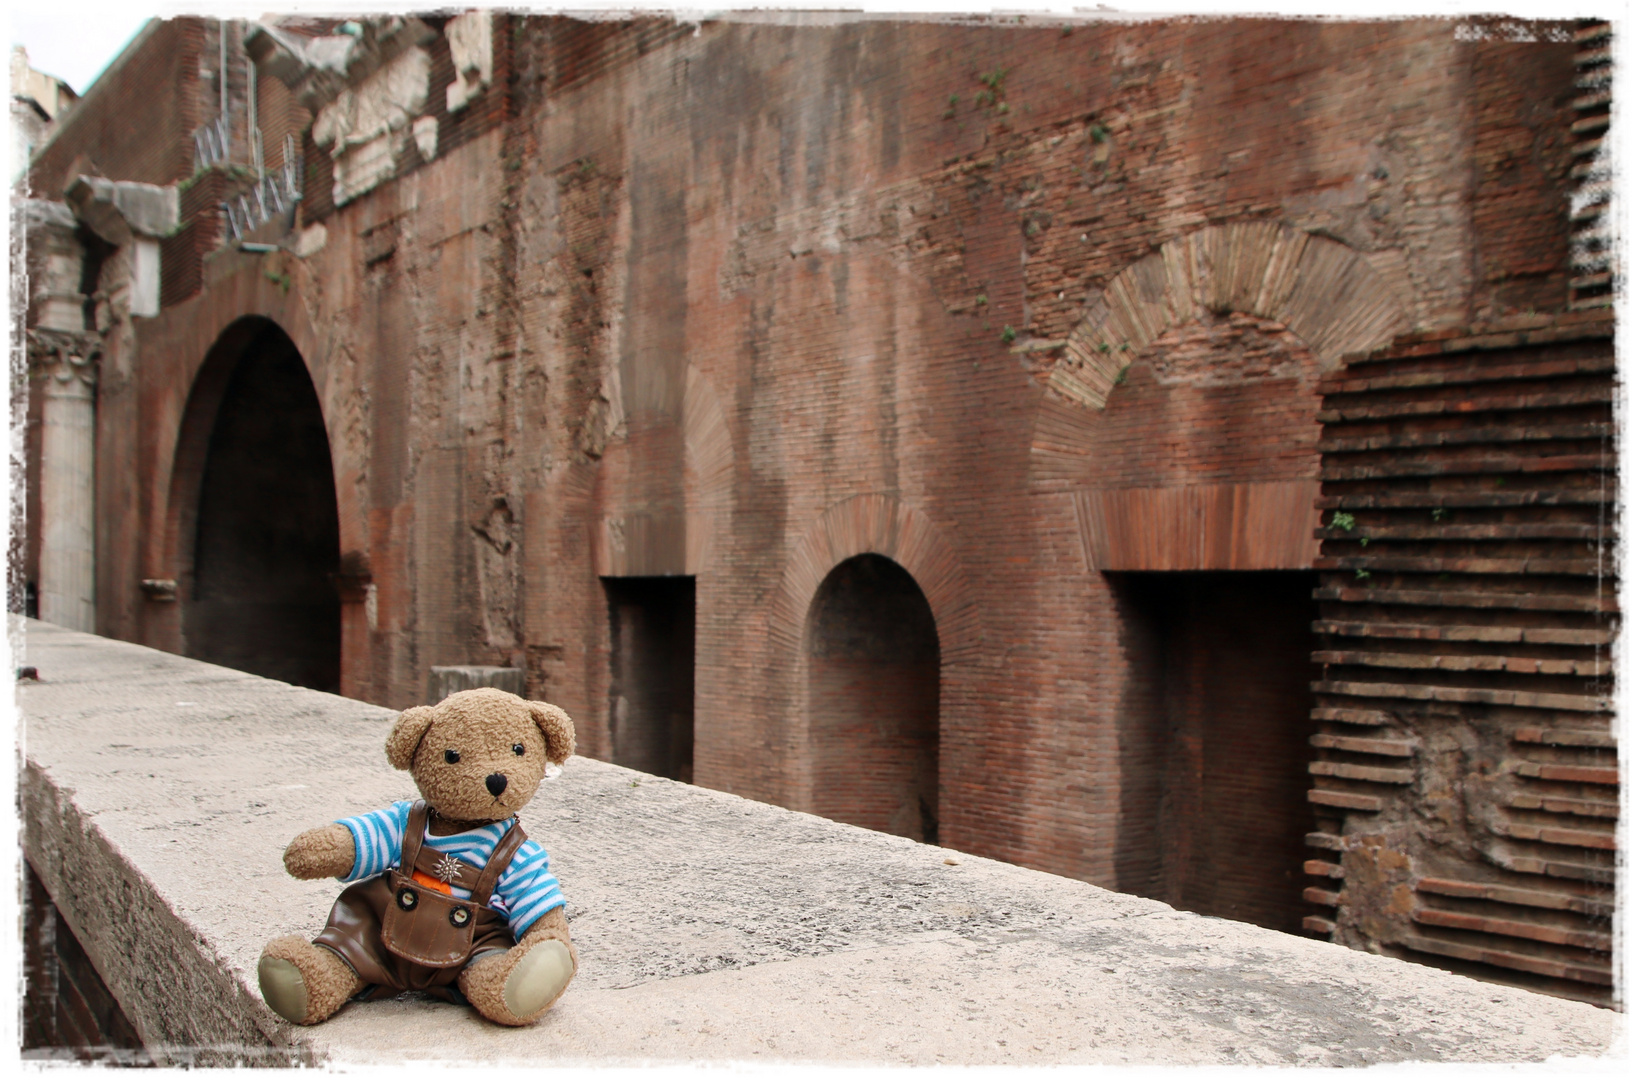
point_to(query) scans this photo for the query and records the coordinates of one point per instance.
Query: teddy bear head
(479, 755)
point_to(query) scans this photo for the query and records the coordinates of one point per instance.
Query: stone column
(65, 371)
(55, 260)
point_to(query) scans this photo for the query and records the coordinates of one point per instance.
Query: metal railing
(212, 143)
(274, 193)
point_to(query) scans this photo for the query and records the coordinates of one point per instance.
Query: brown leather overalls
(402, 932)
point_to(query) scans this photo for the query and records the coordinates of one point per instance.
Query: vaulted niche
(650, 706)
(1213, 738)
(266, 535)
(873, 663)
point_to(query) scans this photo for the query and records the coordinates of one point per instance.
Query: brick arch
(881, 525)
(186, 338)
(1324, 291)
(175, 349)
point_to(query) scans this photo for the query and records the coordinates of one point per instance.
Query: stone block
(444, 681)
(118, 210)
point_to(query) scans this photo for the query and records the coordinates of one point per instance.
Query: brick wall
(692, 292)
(1522, 152)
(137, 121)
(68, 1012)
(1228, 398)
(1465, 781)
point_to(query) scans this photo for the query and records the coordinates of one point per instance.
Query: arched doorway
(261, 545)
(873, 681)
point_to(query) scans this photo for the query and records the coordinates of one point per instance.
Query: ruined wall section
(1465, 776)
(826, 241)
(1155, 130)
(868, 209)
(428, 299)
(408, 284)
(568, 221)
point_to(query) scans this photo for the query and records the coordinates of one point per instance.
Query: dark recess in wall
(1215, 746)
(651, 690)
(873, 685)
(268, 542)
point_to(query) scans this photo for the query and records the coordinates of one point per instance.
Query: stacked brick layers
(1592, 168)
(68, 1013)
(1466, 774)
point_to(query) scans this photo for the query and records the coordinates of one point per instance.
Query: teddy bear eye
(517, 749)
(451, 756)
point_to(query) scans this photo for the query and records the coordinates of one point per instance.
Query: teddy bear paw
(283, 989)
(303, 983)
(538, 979)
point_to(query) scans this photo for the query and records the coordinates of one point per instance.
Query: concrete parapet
(158, 793)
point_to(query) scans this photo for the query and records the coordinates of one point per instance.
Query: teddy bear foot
(519, 994)
(303, 983)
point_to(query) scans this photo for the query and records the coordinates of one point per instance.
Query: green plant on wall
(1101, 137)
(993, 96)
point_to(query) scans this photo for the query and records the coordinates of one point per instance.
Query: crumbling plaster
(366, 129)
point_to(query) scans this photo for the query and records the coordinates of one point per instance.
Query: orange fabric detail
(432, 883)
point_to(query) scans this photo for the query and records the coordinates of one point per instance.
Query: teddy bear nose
(496, 784)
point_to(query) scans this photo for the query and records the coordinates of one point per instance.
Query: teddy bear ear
(557, 728)
(406, 734)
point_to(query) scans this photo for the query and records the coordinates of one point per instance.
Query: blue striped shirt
(524, 892)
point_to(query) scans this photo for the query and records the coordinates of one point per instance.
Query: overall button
(406, 899)
(459, 917)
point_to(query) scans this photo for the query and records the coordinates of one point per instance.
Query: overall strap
(498, 862)
(414, 835)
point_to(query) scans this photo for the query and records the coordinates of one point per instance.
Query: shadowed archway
(873, 683)
(260, 532)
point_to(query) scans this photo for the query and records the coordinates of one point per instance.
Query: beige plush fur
(327, 979)
(319, 853)
(484, 727)
(483, 983)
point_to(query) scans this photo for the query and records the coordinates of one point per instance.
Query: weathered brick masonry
(1038, 313)
(1466, 781)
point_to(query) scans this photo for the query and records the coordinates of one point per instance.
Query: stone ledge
(158, 793)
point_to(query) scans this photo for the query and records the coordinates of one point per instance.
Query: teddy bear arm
(327, 851)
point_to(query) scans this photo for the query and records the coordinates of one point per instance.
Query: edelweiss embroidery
(449, 868)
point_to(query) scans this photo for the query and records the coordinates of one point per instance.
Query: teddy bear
(445, 894)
